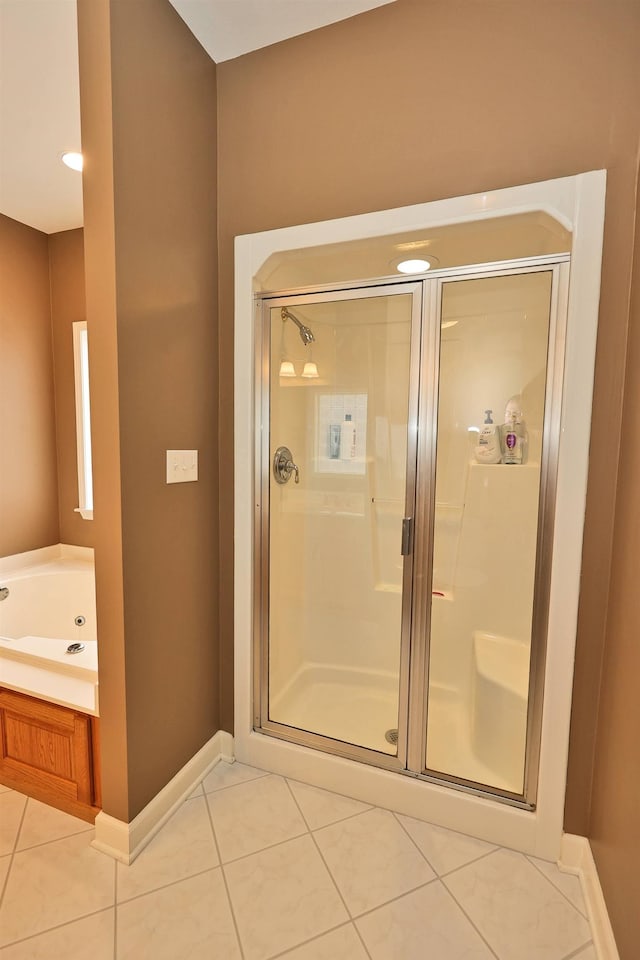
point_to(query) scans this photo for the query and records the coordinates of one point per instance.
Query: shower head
(306, 335)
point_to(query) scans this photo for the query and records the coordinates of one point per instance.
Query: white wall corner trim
(576, 857)
(124, 841)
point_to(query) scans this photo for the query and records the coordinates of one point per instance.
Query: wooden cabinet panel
(50, 753)
(43, 749)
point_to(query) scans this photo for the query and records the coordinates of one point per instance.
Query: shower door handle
(283, 466)
(407, 536)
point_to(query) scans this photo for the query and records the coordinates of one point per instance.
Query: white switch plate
(182, 466)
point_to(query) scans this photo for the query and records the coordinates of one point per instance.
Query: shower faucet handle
(283, 466)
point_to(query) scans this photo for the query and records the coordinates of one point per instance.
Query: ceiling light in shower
(448, 323)
(287, 369)
(73, 160)
(414, 266)
(310, 371)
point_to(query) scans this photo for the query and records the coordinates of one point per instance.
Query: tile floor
(253, 867)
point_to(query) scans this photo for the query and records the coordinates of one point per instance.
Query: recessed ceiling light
(415, 265)
(73, 160)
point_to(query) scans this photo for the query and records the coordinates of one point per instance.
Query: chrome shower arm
(305, 333)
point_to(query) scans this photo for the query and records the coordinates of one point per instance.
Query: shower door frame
(420, 505)
(558, 265)
(261, 720)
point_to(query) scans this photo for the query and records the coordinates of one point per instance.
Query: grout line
(271, 846)
(344, 796)
(482, 856)
(326, 866)
(224, 878)
(20, 825)
(561, 892)
(318, 936)
(13, 852)
(165, 886)
(115, 911)
(577, 953)
(227, 786)
(43, 843)
(462, 909)
(58, 926)
(421, 852)
(350, 816)
(400, 896)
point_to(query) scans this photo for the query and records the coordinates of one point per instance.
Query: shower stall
(406, 592)
(404, 584)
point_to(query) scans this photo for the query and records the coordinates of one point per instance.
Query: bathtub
(49, 604)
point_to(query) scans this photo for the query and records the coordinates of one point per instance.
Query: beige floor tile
(252, 816)
(282, 897)
(4, 789)
(42, 823)
(53, 884)
(424, 924)
(226, 774)
(521, 915)
(196, 793)
(445, 850)
(91, 936)
(567, 883)
(190, 920)
(321, 807)
(12, 806)
(372, 860)
(184, 847)
(341, 944)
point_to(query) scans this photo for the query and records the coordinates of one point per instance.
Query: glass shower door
(492, 449)
(338, 473)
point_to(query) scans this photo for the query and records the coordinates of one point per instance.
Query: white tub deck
(40, 666)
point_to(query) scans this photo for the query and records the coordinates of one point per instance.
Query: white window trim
(83, 420)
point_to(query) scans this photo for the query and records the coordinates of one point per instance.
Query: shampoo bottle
(512, 442)
(515, 440)
(488, 449)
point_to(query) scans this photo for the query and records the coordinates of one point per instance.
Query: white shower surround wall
(578, 203)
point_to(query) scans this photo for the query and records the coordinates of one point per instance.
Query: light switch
(182, 466)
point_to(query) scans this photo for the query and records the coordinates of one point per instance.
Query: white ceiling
(39, 91)
(229, 28)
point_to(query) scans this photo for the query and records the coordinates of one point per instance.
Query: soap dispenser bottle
(488, 449)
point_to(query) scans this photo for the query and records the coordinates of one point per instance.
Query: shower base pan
(355, 706)
(360, 707)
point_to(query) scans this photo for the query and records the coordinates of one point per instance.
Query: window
(83, 420)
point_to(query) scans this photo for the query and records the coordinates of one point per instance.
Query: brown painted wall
(149, 134)
(100, 294)
(615, 824)
(28, 483)
(422, 100)
(66, 271)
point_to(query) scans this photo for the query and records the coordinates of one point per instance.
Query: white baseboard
(124, 841)
(576, 857)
